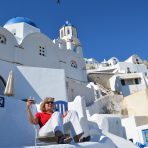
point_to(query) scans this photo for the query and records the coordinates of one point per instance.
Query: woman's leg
(71, 121)
(55, 123)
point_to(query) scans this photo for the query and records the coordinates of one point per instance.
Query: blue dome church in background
(21, 20)
(21, 27)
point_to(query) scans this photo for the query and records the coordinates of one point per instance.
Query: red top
(43, 118)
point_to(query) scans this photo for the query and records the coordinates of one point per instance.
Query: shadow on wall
(23, 89)
(14, 111)
(113, 125)
(97, 135)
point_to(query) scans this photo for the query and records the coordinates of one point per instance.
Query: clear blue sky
(105, 28)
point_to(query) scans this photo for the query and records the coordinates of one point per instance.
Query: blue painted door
(145, 136)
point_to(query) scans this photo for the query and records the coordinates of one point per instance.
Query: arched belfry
(68, 33)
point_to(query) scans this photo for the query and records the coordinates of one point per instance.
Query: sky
(106, 28)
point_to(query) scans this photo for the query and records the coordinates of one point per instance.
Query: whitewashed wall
(133, 67)
(75, 88)
(16, 131)
(115, 85)
(27, 53)
(65, 58)
(30, 54)
(7, 50)
(40, 82)
(131, 129)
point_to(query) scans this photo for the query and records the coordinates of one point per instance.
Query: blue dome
(67, 23)
(21, 20)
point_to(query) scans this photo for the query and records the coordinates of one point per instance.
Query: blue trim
(61, 106)
(21, 20)
(145, 136)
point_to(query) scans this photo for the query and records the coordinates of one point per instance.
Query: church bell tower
(68, 33)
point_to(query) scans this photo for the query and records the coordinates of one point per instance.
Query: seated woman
(52, 123)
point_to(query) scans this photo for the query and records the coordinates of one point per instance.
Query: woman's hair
(47, 99)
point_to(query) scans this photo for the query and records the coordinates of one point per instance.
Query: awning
(130, 76)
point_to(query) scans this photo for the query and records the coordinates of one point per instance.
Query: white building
(127, 77)
(24, 48)
(136, 129)
(41, 67)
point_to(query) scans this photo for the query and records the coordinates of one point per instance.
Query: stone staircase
(104, 90)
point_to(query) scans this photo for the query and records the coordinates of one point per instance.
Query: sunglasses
(50, 102)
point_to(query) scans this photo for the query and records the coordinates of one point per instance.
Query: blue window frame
(145, 137)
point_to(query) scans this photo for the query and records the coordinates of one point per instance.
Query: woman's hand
(30, 115)
(29, 103)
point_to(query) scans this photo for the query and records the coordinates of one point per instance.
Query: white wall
(122, 67)
(16, 131)
(14, 126)
(40, 83)
(131, 129)
(65, 58)
(75, 88)
(36, 81)
(105, 101)
(32, 44)
(27, 53)
(21, 30)
(115, 84)
(28, 29)
(109, 123)
(133, 67)
(7, 50)
(16, 28)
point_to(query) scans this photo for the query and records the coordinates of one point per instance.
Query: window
(137, 61)
(2, 39)
(128, 70)
(129, 82)
(42, 51)
(68, 31)
(73, 64)
(122, 82)
(136, 81)
(145, 137)
(114, 61)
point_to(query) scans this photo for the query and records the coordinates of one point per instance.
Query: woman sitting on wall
(52, 123)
